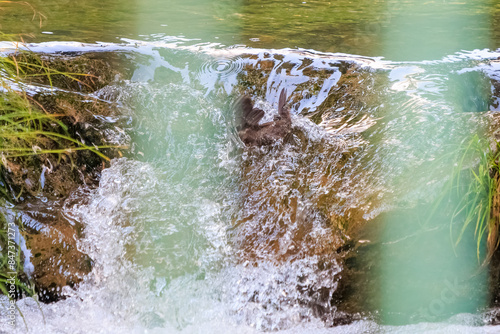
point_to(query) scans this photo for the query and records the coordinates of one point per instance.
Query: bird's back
(253, 134)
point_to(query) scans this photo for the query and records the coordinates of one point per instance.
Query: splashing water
(192, 233)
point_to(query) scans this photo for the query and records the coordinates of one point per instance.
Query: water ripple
(222, 68)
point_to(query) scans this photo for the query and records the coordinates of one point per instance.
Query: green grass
(28, 130)
(475, 189)
(24, 129)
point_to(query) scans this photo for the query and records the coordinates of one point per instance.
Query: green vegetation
(24, 129)
(30, 137)
(478, 193)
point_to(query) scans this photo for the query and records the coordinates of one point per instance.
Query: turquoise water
(424, 278)
(191, 233)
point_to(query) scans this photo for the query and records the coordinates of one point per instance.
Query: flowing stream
(191, 232)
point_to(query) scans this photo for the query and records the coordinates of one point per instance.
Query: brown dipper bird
(254, 134)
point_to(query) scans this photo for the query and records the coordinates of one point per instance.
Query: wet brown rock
(344, 102)
(286, 216)
(56, 175)
(72, 71)
(52, 242)
(50, 237)
(306, 200)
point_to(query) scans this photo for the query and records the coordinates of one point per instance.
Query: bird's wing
(249, 116)
(282, 102)
(242, 107)
(254, 116)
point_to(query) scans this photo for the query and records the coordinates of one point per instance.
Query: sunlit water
(190, 232)
(354, 27)
(183, 231)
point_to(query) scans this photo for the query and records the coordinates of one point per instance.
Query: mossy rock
(52, 242)
(37, 184)
(352, 91)
(75, 72)
(82, 117)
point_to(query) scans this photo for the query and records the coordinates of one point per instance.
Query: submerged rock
(325, 90)
(286, 219)
(303, 203)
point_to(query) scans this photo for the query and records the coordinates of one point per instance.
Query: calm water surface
(355, 27)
